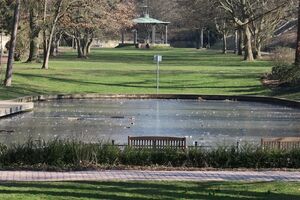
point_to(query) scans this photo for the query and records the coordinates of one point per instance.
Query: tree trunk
(202, 38)
(224, 43)
(45, 42)
(34, 35)
(208, 40)
(241, 42)
(73, 43)
(52, 50)
(198, 39)
(258, 54)
(89, 46)
(248, 44)
(236, 42)
(48, 49)
(12, 46)
(57, 44)
(79, 49)
(84, 47)
(297, 60)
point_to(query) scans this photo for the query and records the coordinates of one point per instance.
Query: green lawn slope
(128, 71)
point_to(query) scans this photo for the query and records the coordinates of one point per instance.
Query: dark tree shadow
(143, 190)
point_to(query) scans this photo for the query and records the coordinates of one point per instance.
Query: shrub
(198, 158)
(284, 72)
(148, 157)
(108, 154)
(72, 154)
(283, 56)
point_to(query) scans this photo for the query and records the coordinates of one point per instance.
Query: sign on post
(158, 59)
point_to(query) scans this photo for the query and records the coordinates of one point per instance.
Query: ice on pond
(208, 121)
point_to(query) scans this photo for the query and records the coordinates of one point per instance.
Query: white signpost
(157, 60)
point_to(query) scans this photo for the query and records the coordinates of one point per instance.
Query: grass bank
(149, 190)
(120, 71)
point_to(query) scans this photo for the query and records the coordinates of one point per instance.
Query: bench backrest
(283, 143)
(157, 142)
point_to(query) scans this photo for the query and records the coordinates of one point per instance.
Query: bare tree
(57, 14)
(34, 8)
(270, 14)
(89, 18)
(241, 12)
(223, 27)
(197, 15)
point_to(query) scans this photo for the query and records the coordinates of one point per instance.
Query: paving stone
(114, 175)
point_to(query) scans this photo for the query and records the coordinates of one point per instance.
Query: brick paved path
(128, 175)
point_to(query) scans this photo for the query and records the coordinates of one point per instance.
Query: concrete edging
(261, 99)
(24, 104)
(8, 108)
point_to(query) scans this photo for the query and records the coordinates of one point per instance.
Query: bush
(148, 157)
(108, 154)
(281, 72)
(284, 71)
(283, 56)
(67, 154)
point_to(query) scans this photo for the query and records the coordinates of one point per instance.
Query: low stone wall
(271, 100)
(8, 108)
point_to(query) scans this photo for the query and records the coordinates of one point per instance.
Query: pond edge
(261, 99)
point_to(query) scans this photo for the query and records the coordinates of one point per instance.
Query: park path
(134, 175)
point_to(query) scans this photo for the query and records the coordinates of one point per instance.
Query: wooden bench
(145, 142)
(283, 143)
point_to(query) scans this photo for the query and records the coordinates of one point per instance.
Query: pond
(207, 122)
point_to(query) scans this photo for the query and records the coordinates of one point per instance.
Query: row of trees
(82, 20)
(251, 22)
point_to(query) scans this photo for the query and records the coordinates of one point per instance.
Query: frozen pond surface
(208, 122)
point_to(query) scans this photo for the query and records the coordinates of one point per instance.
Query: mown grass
(133, 71)
(150, 190)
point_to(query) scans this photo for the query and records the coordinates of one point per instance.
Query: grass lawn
(150, 190)
(112, 71)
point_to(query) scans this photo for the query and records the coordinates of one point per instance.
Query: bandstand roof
(148, 20)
